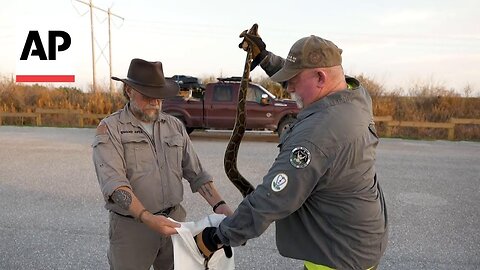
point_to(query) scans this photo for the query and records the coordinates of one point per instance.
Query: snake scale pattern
(231, 153)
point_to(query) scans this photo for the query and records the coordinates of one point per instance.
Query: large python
(231, 153)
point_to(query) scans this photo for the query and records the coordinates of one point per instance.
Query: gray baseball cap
(308, 52)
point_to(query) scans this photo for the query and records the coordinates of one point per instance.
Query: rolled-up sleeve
(108, 159)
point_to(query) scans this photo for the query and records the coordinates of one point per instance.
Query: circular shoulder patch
(300, 157)
(279, 182)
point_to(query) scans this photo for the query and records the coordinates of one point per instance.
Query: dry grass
(425, 103)
(428, 102)
(26, 98)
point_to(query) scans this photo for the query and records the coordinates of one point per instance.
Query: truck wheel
(284, 125)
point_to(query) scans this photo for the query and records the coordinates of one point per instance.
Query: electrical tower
(94, 84)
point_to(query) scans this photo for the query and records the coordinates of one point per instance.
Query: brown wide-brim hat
(148, 79)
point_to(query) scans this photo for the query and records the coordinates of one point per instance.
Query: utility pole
(94, 84)
(110, 53)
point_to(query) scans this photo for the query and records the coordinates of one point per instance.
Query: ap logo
(45, 56)
(34, 38)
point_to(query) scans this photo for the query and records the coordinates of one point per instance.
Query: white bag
(185, 251)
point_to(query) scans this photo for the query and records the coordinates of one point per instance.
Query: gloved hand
(251, 39)
(208, 242)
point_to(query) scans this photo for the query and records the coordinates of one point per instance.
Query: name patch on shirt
(279, 182)
(300, 157)
(130, 131)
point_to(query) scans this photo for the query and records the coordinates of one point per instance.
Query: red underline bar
(45, 78)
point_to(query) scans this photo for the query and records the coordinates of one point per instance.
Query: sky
(396, 43)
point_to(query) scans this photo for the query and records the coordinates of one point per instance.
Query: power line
(94, 85)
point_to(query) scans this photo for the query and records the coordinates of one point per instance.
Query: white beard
(297, 99)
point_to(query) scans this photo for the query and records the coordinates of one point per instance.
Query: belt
(164, 212)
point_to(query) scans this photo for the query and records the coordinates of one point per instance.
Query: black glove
(251, 39)
(208, 242)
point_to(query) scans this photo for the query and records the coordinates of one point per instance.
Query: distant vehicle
(214, 107)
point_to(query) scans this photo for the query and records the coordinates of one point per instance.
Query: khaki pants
(135, 246)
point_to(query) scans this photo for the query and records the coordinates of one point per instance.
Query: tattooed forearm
(206, 190)
(123, 198)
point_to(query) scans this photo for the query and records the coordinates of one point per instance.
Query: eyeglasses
(149, 98)
(146, 98)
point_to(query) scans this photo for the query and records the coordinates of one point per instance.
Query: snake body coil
(231, 153)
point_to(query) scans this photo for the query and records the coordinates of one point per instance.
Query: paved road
(53, 218)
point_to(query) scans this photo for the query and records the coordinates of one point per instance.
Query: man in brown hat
(140, 156)
(322, 189)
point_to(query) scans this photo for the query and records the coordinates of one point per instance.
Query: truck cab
(216, 109)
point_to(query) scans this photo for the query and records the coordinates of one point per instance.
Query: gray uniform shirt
(153, 167)
(321, 190)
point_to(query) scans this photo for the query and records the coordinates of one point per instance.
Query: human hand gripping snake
(231, 153)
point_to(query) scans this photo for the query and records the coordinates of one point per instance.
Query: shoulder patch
(279, 182)
(300, 157)
(101, 129)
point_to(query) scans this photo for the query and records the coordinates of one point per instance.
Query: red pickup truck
(214, 107)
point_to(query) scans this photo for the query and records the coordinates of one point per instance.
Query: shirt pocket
(174, 146)
(139, 157)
